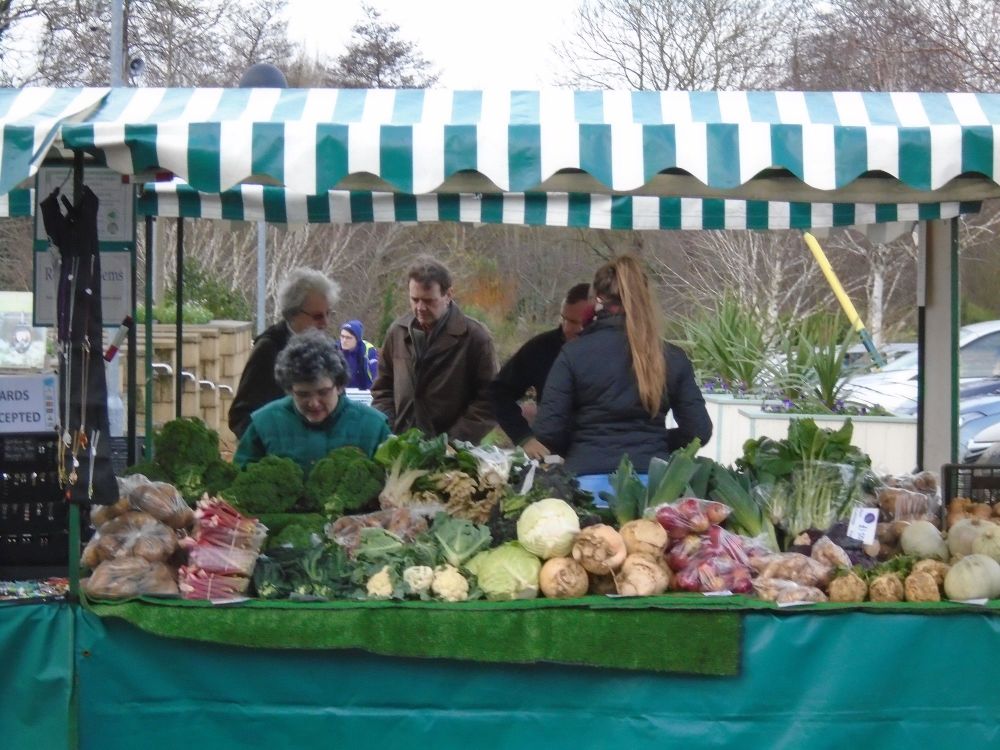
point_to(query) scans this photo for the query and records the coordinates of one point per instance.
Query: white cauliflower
(380, 585)
(418, 579)
(449, 584)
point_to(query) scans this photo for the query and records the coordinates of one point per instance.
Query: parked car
(894, 387)
(858, 358)
(978, 425)
(984, 446)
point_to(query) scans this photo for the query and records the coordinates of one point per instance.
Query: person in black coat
(528, 369)
(609, 391)
(305, 298)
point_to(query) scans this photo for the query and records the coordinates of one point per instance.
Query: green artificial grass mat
(607, 633)
(675, 633)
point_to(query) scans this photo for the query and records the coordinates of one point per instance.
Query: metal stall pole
(150, 262)
(74, 508)
(179, 321)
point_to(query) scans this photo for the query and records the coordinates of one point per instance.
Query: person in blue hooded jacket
(361, 355)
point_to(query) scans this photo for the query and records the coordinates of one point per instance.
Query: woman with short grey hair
(315, 417)
(305, 300)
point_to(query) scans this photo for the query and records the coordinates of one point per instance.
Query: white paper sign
(28, 403)
(862, 524)
(116, 287)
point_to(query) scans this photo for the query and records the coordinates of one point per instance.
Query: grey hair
(309, 356)
(298, 284)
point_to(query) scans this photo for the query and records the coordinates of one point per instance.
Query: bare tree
(181, 42)
(14, 49)
(872, 45)
(677, 44)
(378, 57)
(769, 272)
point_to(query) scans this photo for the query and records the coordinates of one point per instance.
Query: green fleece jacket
(277, 429)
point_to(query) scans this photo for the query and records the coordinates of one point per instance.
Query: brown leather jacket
(448, 390)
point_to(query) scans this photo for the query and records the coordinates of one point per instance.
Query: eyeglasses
(319, 317)
(305, 396)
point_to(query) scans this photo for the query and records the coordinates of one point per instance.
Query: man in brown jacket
(436, 364)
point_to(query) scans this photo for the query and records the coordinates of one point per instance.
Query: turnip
(644, 535)
(599, 549)
(643, 575)
(563, 578)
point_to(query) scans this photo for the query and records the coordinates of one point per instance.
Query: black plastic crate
(978, 482)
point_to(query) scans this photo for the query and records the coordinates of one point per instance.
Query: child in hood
(361, 355)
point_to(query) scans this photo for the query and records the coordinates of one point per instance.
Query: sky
(475, 44)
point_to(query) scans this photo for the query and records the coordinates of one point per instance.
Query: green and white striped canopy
(30, 121)
(278, 205)
(17, 203)
(781, 147)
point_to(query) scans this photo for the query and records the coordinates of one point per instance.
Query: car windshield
(907, 361)
(978, 357)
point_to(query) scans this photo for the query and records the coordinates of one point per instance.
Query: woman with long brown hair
(609, 391)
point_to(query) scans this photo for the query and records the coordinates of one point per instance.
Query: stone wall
(212, 359)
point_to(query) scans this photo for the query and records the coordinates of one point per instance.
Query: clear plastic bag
(784, 591)
(127, 577)
(223, 542)
(793, 566)
(814, 496)
(909, 497)
(164, 502)
(132, 534)
(198, 583)
(690, 516)
(403, 522)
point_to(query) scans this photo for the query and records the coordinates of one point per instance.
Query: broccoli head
(345, 480)
(271, 485)
(218, 475)
(185, 447)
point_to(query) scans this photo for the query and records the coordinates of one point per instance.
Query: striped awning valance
(272, 204)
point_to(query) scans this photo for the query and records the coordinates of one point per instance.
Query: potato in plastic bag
(163, 502)
(126, 577)
(130, 534)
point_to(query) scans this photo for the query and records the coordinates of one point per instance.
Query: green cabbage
(547, 528)
(506, 572)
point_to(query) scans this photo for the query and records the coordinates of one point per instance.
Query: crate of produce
(971, 490)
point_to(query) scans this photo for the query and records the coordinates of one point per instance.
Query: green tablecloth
(823, 678)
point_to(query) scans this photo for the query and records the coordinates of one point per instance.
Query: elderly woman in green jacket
(315, 417)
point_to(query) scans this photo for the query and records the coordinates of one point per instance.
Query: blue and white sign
(29, 403)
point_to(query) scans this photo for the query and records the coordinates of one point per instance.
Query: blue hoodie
(362, 360)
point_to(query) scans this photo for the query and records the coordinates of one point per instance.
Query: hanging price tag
(862, 524)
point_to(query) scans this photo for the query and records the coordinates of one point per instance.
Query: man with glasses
(305, 299)
(527, 369)
(436, 364)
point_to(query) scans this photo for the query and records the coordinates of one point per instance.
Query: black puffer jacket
(257, 384)
(591, 413)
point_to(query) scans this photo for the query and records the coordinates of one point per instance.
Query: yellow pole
(845, 301)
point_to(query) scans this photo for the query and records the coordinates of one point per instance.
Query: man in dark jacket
(529, 367)
(436, 364)
(305, 300)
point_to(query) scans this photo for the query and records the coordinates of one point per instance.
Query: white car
(894, 387)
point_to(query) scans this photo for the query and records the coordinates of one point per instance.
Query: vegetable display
(430, 520)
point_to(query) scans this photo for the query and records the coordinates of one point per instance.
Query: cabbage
(506, 572)
(548, 527)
